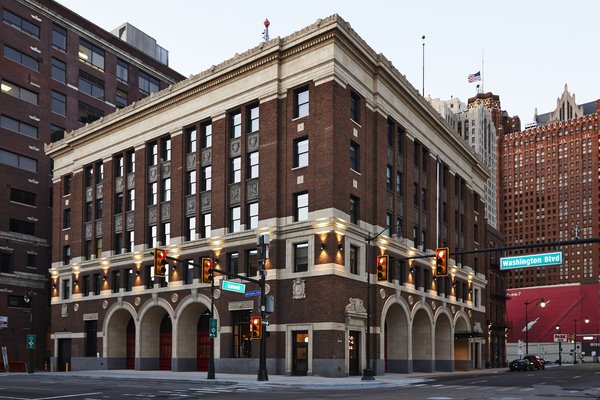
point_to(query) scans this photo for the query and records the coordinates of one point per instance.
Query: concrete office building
(58, 72)
(318, 141)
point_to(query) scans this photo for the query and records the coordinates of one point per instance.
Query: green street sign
(212, 327)
(233, 286)
(30, 342)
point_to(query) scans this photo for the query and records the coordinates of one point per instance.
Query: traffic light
(207, 275)
(441, 261)
(160, 262)
(255, 327)
(382, 267)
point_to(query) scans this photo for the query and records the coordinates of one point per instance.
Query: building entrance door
(165, 344)
(130, 345)
(300, 353)
(202, 343)
(354, 353)
(64, 354)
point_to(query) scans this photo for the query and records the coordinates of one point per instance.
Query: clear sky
(527, 50)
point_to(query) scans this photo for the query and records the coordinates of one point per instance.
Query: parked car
(537, 362)
(521, 364)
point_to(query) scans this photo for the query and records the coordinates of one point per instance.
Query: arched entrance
(120, 348)
(396, 340)
(443, 344)
(422, 343)
(193, 343)
(154, 336)
(461, 345)
(166, 338)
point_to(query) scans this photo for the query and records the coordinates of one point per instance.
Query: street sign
(30, 342)
(212, 327)
(560, 337)
(252, 293)
(535, 260)
(233, 286)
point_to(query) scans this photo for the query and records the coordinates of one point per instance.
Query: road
(566, 383)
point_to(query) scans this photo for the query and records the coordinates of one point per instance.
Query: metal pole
(368, 371)
(575, 342)
(423, 65)
(559, 348)
(211, 356)
(526, 330)
(263, 244)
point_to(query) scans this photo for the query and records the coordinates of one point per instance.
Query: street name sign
(535, 260)
(252, 293)
(233, 286)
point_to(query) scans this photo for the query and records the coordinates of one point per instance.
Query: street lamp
(542, 303)
(28, 299)
(559, 347)
(586, 320)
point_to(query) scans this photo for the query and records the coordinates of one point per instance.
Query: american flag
(475, 77)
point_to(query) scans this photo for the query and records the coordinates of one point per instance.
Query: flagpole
(482, 74)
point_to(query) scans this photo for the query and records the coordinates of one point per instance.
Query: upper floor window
(59, 37)
(120, 98)
(300, 152)
(354, 107)
(191, 140)
(130, 156)
(91, 54)
(18, 126)
(235, 170)
(253, 165)
(67, 184)
(165, 149)
(88, 176)
(235, 125)
(206, 178)
(22, 196)
(301, 207)
(206, 135)
(99, 173)
(354, 209)
(354, 156)
(21, 58)
(21, 24)
(24, 227)
(388, 177)
(301, 257)
(234, 219)
(58, 103)
(166, 190)
(91, 85)
(253, 118)
(153, 154)
(17, 161)
(88, 114)
(301, 102)
(147, 84)
(122, 71)
(119, 165)
(252, 216)
(20, 93)
(58, 70)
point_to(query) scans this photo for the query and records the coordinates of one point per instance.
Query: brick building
(58, 72)
(314, 139)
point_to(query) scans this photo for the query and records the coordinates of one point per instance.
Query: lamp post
(559, 347)
(586, 320)
(28, 299)
(542, 303)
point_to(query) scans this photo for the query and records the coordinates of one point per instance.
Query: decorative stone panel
(234, 193)
(89, 230)
(190, 205)
(119, 184)
(99, 228)
(252, 189)
(206, 157)
(235, 148)
(389, 202)
(131, 181)
(253, 142)
(190, 161)
(130, 220)
(152, 173)
(165, 211)
(89, 194)
(118, 223)
(152, 217)
(99, 191)
(165, 170)
(205, 201)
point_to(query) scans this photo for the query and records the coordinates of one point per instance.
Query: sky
(526, 50)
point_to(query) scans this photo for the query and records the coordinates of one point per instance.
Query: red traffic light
(255, 327)
(160, 262)
(382, 267)
(207, 274)
(441, 261)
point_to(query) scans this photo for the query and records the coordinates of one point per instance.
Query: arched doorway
(166, 334)
(396, 340)
(120, 347)
(130, 346)
(202, 343)
(461, 345)
(443, 344)
(422, 343)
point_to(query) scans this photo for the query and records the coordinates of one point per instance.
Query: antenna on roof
(266, 31)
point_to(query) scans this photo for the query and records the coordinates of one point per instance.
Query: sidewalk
(275, 380)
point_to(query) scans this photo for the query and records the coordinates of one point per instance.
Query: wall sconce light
(454, 284)
(104, 277)
(75, 283)
(137, 272)
(322, 245)
(340, 247)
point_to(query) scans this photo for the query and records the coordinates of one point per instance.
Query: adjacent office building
(58, 72)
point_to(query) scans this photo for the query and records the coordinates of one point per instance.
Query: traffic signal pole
(211, 356)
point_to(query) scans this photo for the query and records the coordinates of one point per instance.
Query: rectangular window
(354, 156)
(87, 217)
(147, 84)
(58, 70)
(233, 263)
(66, 218)
(300, 257)
(66, 289)
(152, 193)
(122, 71)
(99, 208)
(206, 135)
(91, 338)
(251, 268)
(130, 156)
(301, 99)
(115, 281)
(354, 260)
(118, 243)
(59, 103)
(191, 228)
(354, 203)
(300, 152)
(190, 140)
(97, 283)
(21, 58)
(165, 149)
(424, 198)
(66, 255)
(206, 225)
(399, 183)
(91, 55)
(130, 200)
(253, 118)
(59, 37)
(152, 235)
(91, 85)
(234, 220)
(118, 203)
(22, 196)
(153, 154)
(86, 285)
(206, 178)
(18, 126)
(119, 166)
(18, 161)
(130, 241)
(21, 24)
(253, 165)
(252, 215)
(99, 173)
(18, 92)
(235, 124)
(89, 176)
(129, 278)
(31, 260)
(6, 262)
(56, 133)
(416, 194)
(354, 107)
(88, 114)
(388, 177)
(301, 207)
(190, 183)
(121, 98)
(166, 233)
(189, 273)
(166, 190)
(235, 170)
